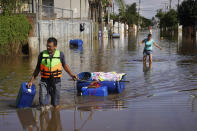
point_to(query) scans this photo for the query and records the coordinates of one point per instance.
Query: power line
(148, 11)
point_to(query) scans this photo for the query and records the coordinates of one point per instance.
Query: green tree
(10, 6)
(187, 13)
(127, 13)
(171, 18)
(122, 10)
(160, 15)
(145, 22)
(122, 14)
(131, 14)
(114, 17)
(168, 19)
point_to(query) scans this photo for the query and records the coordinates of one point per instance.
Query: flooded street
(155, 99)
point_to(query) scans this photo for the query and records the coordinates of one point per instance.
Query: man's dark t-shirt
(62, 59)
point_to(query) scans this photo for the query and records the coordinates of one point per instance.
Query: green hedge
(14, 31)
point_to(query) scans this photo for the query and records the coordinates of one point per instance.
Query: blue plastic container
(85, 76)
(100, 91)
(76, 42)
(25, 96)
(113, 86)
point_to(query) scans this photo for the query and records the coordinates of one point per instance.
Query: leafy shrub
(14, 31)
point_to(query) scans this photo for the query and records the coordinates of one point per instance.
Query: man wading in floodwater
(50, 63)
(149, 42)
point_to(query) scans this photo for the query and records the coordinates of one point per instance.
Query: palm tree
(128, 13)
(122, 6)
(122, 13)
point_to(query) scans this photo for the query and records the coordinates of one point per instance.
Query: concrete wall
(33, 46)
(64, 31)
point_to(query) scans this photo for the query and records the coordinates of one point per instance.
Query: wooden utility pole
(113, 7)
(71, 13)
(138, 15)
(166, 7)
(80, 9)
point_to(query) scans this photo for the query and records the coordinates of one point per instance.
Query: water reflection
(84, 113)
(115, 101)
(146, 68)
(188, 46)
(170, 35)
(194, 98)
(132, 42)
(78, 49)
(147, 75)
(27, 119)
(50, 121)
(83, 120)
(47, 121)
(185, 45)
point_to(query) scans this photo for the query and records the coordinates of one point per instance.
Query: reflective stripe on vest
(51, 66)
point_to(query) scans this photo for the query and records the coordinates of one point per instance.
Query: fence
(47, 12)
(50, 12)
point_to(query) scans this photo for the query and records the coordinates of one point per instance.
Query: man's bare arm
(67, 69)
(35, 74)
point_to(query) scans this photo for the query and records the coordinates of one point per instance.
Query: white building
(54, 8)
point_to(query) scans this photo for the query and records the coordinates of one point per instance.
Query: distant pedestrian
(149, 42)
(50, 63)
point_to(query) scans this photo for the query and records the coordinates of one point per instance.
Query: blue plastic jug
(25, 96)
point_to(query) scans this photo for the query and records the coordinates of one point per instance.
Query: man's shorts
(147, 52)
(49, 88)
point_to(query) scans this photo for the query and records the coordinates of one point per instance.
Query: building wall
(75, 6)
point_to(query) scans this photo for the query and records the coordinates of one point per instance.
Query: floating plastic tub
(113, 86)
(115, 35)
(25, 96)
(100, 91)
(85, 76)
(76, 42)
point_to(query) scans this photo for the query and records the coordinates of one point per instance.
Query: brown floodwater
(161, 98)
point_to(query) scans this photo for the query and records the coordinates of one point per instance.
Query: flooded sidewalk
(160, 98)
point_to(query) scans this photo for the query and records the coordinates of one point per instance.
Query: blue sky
(149, 7)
